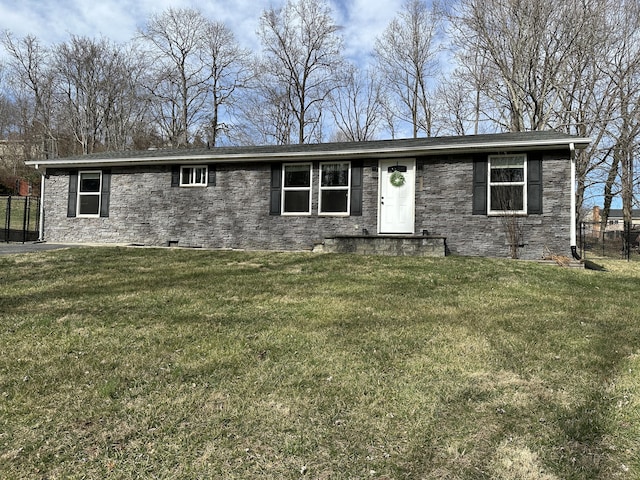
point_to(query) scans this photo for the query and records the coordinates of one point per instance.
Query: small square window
(193, 176)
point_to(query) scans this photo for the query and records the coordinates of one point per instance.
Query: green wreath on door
(397, 179)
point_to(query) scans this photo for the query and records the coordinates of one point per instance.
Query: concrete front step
(397, 245)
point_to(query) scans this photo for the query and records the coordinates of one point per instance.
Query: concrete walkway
(29, 247)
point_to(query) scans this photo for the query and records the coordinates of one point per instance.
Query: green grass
(158, 363)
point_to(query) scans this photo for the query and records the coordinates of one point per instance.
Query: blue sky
(52, 21)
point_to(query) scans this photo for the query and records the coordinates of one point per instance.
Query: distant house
(615, 219)
(12, 156)
(459, 190)
(614, 224)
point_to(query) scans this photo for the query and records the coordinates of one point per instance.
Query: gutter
(389, 151)
(572, 225)
(43, 176)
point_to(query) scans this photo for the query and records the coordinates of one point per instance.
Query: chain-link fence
(612, 240)
(20, 217)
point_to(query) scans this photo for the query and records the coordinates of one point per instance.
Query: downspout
(572, 226)
(43, 175)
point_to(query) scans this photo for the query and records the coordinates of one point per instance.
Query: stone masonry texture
(234, 214)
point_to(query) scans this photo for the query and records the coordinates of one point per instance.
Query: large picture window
(193, 176)
(89, 192)
(339, 188)
(335, 179)
(296, 189)
(507, 184)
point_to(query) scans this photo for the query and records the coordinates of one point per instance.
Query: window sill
(507, 214)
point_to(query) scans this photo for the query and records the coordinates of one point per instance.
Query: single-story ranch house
(461, 193)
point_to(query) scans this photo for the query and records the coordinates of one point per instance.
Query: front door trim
(396, 201)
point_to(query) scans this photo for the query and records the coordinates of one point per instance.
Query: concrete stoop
(396, 245)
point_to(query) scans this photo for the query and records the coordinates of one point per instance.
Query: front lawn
(170, 363)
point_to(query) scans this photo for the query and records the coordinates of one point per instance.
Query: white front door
(397, 195)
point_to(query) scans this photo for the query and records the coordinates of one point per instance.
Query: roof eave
(344, 153)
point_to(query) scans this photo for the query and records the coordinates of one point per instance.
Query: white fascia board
(392, 151)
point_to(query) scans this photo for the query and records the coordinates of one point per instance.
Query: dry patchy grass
(141, 363)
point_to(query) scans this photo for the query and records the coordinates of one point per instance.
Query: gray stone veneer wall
(145, 209)
(443, 207)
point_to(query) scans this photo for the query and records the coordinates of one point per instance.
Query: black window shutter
(534, 183)
(479, 185)
(356, 188)
(175, 176)
(105, 192)
(276, 188)
(211, 180)
(72, 201)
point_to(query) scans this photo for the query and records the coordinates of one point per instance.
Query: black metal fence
(20, 217)
(613, 240)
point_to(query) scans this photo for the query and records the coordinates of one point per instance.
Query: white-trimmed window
(335, 181)
(89, 192)
(508, 184)
(296, 189)
(193, 176)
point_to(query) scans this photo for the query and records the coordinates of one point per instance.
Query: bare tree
(461, 96)
(527, 44)
(30, 77)
(94, 93)
(357, 106)
(458, 109)
(623, 67)
(301, 50)
(570, 66)
(9, 116)
(406, 54)
(178, 77)
(75, 97)
(228, 65)
(267, 111)
(127, 120)
(511, 221)
(585, 107)
(10, 150)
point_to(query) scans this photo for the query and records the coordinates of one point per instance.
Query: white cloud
(363, 21)
(21, 19)
(53, 21)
